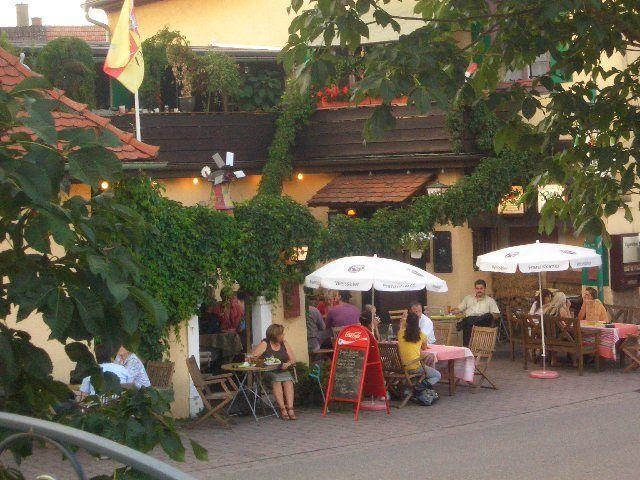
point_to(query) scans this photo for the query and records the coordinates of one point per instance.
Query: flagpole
(137, 107)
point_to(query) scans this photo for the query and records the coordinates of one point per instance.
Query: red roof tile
(376, 189)
(13, 72)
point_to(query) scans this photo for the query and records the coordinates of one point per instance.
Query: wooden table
(460, 357)
(251, 391)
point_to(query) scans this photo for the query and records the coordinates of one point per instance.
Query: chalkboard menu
(349, 368)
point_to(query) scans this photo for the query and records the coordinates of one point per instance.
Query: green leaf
(33, 180)
(86, 137)
(36, 233)
(58, 314)
(501, 139)
(91, 165)
(529, 107)
(199, 451)
(41, 121)
(31, 83)
(173, 447)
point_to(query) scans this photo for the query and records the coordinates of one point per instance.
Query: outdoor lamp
(104, 185)
(351, 212)
(301, 253)
(436, 188)
(196, 180)
(300, 176)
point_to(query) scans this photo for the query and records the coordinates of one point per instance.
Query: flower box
(374, 102)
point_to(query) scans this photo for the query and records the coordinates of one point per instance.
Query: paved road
(597, 438)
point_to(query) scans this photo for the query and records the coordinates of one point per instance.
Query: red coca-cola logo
(356, 335)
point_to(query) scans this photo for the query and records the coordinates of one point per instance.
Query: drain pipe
(95, 22)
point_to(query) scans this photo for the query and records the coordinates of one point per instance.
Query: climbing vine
(295, 110)
(184, 249)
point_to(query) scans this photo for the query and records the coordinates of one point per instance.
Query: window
(540, 66)
(482, 242)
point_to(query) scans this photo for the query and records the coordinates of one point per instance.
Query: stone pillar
(193, 348)
(260, 319)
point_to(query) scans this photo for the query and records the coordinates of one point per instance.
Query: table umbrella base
(544, 374)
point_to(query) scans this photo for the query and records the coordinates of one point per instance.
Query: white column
(260, 319)
(193, 348)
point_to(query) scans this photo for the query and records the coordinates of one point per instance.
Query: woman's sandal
(283, 414)
(292, 414)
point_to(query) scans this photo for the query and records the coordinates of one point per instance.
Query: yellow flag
(124, 61)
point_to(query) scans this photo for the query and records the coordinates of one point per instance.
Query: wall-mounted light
(301, 253)
(195, 180)
(436, 188)
(300, 176)
(351, 212)
(104, 185)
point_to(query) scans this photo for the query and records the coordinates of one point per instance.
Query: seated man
(478, 309)
(104, 357)
(426, 325)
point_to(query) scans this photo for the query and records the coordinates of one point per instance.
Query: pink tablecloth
(464, 361)
(609, 337)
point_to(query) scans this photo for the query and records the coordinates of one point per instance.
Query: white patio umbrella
(373, 273)
(537, 258)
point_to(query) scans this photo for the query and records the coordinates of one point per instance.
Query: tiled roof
(41, 34)
(376, 189)
(13, 72)
(90, 34)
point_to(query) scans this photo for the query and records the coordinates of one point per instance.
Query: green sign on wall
(597, 277)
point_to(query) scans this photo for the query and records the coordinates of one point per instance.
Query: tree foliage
(597, 112)
(68, 64)
(66, 258)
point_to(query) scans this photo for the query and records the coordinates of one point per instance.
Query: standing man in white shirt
(426, 325)
(478, 309)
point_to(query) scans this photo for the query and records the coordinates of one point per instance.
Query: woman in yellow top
(592, 308)
(412, 346)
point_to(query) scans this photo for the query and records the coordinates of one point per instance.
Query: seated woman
(413, 348)
(546, 298)
(134, 366)
(592, 309)
(276, 346)
(558, 306)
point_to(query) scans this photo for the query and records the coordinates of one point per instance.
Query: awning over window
(378, 189)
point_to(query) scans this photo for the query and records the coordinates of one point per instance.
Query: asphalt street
(597, 438)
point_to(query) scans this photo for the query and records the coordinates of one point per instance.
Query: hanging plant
(415, 242)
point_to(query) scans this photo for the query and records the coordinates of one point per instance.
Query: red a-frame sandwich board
(356, 369)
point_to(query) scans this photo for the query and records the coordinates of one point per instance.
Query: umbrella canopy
(538, 257)
(365, 273)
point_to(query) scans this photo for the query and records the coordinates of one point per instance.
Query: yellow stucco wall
(240, 22)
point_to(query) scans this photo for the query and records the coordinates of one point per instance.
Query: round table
(252, 391)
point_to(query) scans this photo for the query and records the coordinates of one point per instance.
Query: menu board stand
(356, 369)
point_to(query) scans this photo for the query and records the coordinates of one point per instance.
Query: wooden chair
(443, 333)
(630, 347)
(623, 313)
(397, 377)
(214, 401)
(531, 337)
(515, 327)
(160, 374)
(564, 335)
(482, 345)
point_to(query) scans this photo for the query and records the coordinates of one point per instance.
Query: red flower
(319, 94)
(345, 90)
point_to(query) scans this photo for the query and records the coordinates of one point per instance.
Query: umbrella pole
(544, 373)
(544, 350)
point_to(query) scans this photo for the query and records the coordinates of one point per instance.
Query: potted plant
(183, 65)
(218, 74)
(415, 243)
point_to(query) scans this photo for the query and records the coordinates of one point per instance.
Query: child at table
(413, 349)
